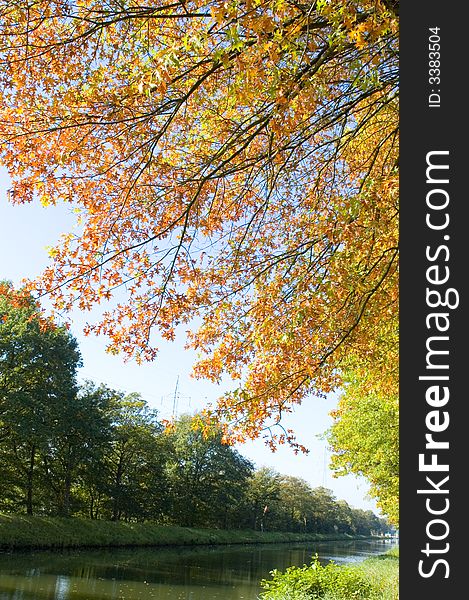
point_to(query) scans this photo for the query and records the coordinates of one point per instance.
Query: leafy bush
(315, 581)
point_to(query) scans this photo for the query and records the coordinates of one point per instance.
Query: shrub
(315, 581)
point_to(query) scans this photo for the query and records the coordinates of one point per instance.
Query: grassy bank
(24, 532)
(376, 578)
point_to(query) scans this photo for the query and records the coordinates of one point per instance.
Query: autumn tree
(234, 161)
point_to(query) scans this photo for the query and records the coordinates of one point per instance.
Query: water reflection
(224, 573)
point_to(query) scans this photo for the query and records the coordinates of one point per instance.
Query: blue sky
(25, 231)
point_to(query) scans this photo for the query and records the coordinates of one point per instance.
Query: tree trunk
(67, 488)
(30, 481)
(116, 500)
(67, 481)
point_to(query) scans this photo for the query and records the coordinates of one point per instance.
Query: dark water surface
(199, 573)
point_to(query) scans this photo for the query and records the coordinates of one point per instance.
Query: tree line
(88, 450)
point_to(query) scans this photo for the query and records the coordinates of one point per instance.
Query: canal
(197, 573)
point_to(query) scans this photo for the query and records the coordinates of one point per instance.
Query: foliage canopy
(230, 161)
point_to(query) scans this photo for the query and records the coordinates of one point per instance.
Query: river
(197, 573)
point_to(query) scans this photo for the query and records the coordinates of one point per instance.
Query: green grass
(383, 573)
(376, 578)
(26, 532)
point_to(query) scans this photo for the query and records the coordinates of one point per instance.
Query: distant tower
(175, 398)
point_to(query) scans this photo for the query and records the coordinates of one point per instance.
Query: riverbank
(21, 532)
(375, 578)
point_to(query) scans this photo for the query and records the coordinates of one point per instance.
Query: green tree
(76, 440)
(119, 465)
(325, 511)
(38, 364)
(132, 454)
(296, 497)
(263, 498)
(365, 522)
(207, 477)
(365, 439)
